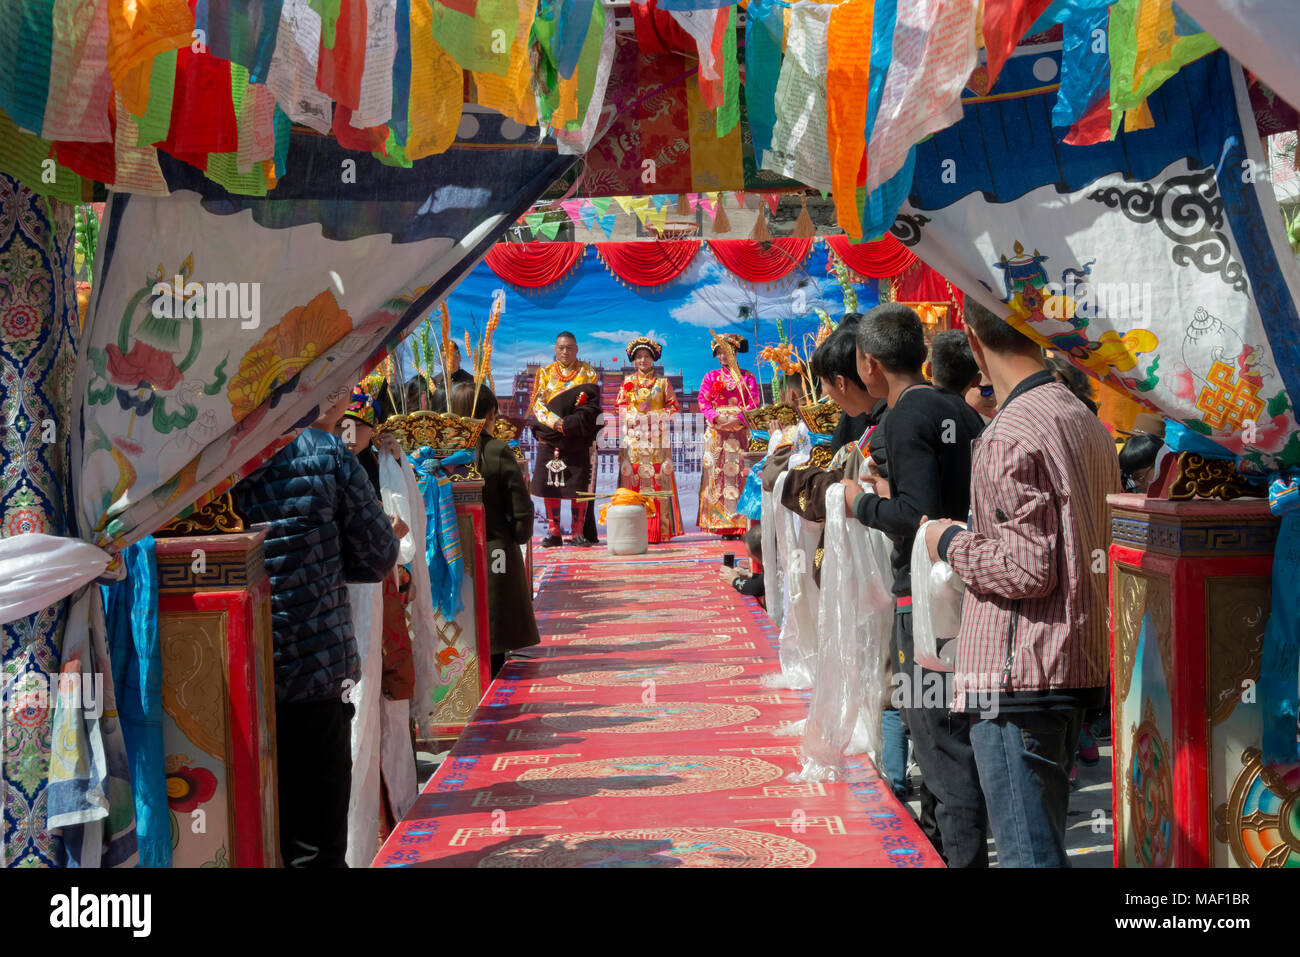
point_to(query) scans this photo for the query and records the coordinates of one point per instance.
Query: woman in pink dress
(725, 392)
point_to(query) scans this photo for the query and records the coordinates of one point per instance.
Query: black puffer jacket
(327, 528)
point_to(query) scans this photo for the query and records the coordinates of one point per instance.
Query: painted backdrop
(604, 314)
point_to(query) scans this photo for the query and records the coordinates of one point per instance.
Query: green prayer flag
(1127, 91)
(158, 114)
(480, 42)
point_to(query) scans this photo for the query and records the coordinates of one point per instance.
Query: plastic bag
(797, 540)
(936, 603)
(855, 618)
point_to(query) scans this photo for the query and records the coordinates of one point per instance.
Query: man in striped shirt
(1033, 636)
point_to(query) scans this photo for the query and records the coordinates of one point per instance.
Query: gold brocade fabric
(554, 379)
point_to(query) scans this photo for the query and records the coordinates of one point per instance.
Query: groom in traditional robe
(565, 373)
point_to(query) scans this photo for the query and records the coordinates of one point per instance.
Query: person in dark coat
(564, 460)
(324, 527)
(508, 513)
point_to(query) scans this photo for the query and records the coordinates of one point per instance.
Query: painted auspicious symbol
(1228, 401)
(1150, 793)
(1260, 822)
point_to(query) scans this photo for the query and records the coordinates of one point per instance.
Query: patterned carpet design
(638, 734)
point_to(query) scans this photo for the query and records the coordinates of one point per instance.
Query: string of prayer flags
(922, 93)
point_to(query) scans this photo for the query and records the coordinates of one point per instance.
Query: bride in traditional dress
(646, 403)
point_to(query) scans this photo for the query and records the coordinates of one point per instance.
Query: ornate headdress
(738, 344)
(364, 406)
(645, 342)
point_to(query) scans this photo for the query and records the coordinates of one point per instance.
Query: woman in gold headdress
(725, 393)
(646, 403)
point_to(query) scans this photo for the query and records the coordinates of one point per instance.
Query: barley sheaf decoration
(440, 431)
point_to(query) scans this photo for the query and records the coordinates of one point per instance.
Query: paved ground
(1088, 833)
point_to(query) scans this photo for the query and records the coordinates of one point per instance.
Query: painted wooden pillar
(1190, 585)
(38, 342)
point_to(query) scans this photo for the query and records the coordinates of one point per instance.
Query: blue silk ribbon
(442, 546)
(131, 621)
(1279, 696)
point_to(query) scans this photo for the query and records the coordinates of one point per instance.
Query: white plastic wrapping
(855, 617)
(797, 541)
(626, 532)
(773, 574)
(936, 604)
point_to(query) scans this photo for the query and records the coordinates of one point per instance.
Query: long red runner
(640, 736)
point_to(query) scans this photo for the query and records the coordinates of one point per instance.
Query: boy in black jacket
(928, 447)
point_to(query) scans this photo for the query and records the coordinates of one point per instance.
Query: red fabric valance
(876, 260)
(922, 284)
(761, 262)
(534, 265)
(648, 264)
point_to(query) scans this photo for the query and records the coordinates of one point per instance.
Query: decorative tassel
(803, 226)
(721, 224)
(761, 234)
(683, 204)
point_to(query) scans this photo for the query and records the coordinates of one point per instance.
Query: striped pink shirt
(1035, 553)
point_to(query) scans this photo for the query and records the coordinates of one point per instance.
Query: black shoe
(550, 541)
(577, 541)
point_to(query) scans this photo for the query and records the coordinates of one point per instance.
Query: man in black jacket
(324, 528)
(928, 447)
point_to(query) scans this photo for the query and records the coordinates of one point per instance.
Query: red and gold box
(1190, 585)
(218, 695)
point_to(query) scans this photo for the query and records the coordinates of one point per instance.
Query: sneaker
(1100, 729)
(577, 541)
(550, 541)
(1088, 753)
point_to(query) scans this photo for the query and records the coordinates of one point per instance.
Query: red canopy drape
(761, 262)
(648, 264)
(534, 265)
(920, 283)
(876, 260)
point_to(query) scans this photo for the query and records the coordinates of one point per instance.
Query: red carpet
(638, 735)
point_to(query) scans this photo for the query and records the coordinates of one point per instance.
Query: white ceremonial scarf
(367, 602)
(855, 617)
(424, 635)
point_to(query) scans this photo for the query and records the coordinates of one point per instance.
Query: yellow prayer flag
(436, 85)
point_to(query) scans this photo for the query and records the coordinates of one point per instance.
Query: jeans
(1024, 762)
(314, 771)
(942, 745)
(893, 752)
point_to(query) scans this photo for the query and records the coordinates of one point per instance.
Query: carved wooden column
(1189, 601)
(218, 694)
